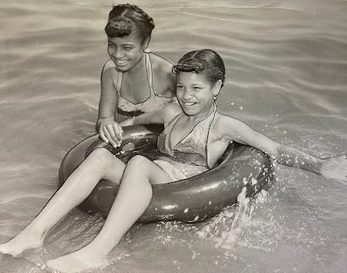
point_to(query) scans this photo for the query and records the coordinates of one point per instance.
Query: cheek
(110, 50)
(207, 96)
(135, 54)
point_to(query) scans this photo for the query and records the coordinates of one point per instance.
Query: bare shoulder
(170, 110)
(225, 122)
(108, 70)
(164, 79)
(231, 129)
(159, 62)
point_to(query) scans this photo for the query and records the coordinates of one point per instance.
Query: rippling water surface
(286, 77)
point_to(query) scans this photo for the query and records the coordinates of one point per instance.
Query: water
(286, 77)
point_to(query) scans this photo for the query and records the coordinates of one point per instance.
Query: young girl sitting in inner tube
(194, 138)
(134, 80)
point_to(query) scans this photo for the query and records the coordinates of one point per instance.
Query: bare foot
(80, 260)
(24, 240)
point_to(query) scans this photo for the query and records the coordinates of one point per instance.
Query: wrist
(102, 120)
(323, 166)
(128, 122)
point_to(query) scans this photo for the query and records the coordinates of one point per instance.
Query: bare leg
(99, 164)
(132, 200)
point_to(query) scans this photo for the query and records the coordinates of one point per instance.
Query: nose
(116, 53)
(187, 94)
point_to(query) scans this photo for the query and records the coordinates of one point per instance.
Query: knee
(138, 161)
(138, 164)
(137, 171)
(102, 156)
(100, 153)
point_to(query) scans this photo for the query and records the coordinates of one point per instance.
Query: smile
(121, 63)
(189, 103)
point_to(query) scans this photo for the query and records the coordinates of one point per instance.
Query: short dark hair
(122, 19)
(202, 60)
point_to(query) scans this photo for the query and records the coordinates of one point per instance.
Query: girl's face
(195, 92)
(126, 52)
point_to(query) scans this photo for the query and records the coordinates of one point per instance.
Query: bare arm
(160, 116)
(109, 130)
(240, 132)
(164, 80)
(108, 98)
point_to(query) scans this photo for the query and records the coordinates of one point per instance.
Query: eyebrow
(128, 43)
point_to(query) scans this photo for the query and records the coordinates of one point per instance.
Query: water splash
(243, 215)
(227, 228)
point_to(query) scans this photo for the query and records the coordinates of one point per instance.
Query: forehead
(192, 78)
(133, 38)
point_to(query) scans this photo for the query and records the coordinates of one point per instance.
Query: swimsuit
(154, 101)
(189, 156)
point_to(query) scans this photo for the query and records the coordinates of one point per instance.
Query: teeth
(121, 62)
(189, 103)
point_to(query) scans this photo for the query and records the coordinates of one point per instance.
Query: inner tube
(189, 200)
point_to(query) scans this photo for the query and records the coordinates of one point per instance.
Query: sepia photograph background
(286, 63)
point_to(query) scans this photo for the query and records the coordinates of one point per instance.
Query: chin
(122, 68)
(190, 112)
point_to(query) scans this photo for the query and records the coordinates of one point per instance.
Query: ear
(217, 87)
(146, 42)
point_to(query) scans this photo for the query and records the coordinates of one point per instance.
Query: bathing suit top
(192, 148)
(154, 101)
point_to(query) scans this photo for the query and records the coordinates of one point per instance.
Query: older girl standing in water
(134, 80)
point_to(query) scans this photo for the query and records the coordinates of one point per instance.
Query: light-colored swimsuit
(189, 156)
(154, 101)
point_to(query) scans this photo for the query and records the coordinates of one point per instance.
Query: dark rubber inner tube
(189, 200)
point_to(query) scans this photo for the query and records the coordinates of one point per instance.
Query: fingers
(110, 136)
(111, 133)
(102, 135)
(118, 131)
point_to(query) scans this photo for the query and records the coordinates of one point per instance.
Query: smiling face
(126, 52)
(195, 92)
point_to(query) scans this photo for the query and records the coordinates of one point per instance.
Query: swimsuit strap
(164, 140)
(119, 83)
(149, 71)
(209, 120)
(208, 134)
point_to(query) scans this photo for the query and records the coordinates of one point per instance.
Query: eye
(180, 87)
(197, 88)
(111, 45)
(128, 48)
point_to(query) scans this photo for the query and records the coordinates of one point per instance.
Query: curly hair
(122, 19)
(199, 61)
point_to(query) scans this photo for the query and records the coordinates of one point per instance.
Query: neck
(202, 115)
(138, 67)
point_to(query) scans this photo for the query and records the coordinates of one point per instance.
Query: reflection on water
(286, 77)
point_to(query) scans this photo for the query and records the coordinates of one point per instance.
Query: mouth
(187, 103)
(120, 63)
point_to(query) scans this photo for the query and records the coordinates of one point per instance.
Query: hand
(335, 167)
(111, 132)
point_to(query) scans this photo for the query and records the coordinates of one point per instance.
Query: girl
(134, 80)
(194, 138)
